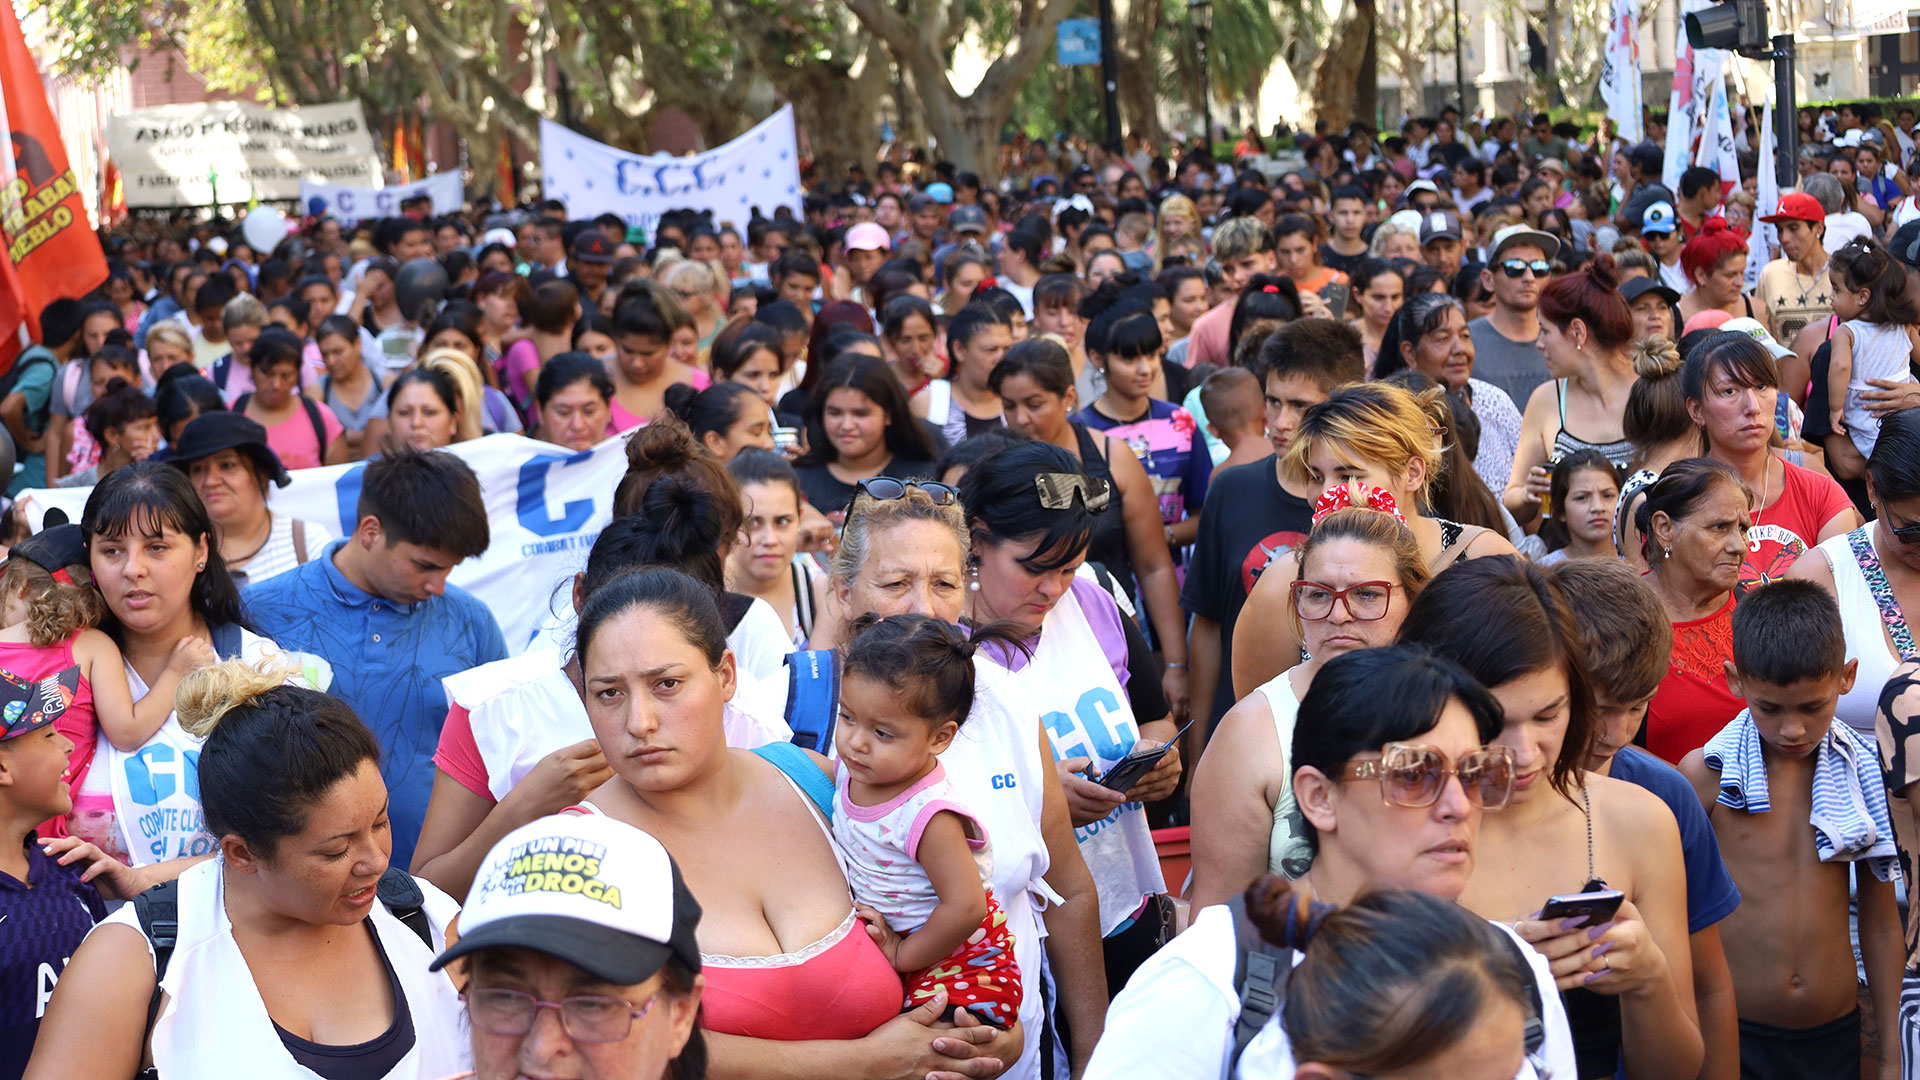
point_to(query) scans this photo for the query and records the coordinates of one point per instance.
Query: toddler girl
(1876, 339)
(50, 608)
(917, 859)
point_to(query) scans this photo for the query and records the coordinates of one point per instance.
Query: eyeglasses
(1906, 534)
(1057, 491)
(587, 1018)
(887, 489)
(1413, 776)
(1515, 268)
(1366, 601)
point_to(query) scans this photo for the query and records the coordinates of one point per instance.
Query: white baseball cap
(1548, 243)
(1753, 329)
(583, 888)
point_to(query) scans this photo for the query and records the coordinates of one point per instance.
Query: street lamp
(1200, 12)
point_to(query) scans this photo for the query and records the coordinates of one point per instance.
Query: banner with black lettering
(235, 152)
(545, 507)
(759, 169)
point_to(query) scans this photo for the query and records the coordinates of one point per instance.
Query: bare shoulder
(1814, 567)
(1244, 744)
(1489, 542)
(1543, 399)
(1633, 808)
(1704, 778)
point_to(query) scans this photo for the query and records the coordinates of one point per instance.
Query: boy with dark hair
(1231, 399)
(1346, 248)
(1251, 516)
(1793, 798)
(378, 607)
(795, 277)
(1627, 640)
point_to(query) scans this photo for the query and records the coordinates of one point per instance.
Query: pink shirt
(1208, 343)
(292, 439)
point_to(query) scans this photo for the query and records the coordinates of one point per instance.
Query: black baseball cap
(1905, 243)
(210, 433)
(592, 246)
(1635, 288)
(53, 549)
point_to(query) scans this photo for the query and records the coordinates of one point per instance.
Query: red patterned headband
(1368, 498)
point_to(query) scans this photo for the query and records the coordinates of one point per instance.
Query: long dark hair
(905, 437)
(149, 497)
(1003, 505)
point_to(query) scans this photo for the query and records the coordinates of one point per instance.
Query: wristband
(1172, 664)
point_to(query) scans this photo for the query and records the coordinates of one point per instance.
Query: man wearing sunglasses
(1518, 266)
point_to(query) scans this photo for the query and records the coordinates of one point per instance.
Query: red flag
(51, 251)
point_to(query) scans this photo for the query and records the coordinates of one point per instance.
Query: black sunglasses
(1514, 268)
(886, 489)
(1906, 534)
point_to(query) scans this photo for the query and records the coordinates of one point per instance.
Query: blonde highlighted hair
(460, 370)
(208, 694)
(1374, 423)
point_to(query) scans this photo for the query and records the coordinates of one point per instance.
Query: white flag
(1691, 94)
(1620, 74)
(1717, 151)
(1765, 235)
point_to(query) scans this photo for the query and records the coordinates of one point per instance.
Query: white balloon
(264, 228)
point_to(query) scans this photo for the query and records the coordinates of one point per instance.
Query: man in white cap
(581, 960)
(1504, 340)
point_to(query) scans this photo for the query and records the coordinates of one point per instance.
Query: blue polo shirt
(1711, 893)
(388, 660)
(42, 920)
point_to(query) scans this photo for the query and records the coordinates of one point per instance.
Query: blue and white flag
(759, 169)
(545, 507)
(352, 205)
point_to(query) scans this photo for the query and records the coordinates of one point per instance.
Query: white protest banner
(1620, 73)
(351, 205)
(235, 152)
(759, 169)
(1766, 235)
(545, 507)
(1717, 151)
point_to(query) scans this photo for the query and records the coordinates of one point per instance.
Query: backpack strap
(1260, 971)
(407, 902)
(319, 425)
(159, 912)
(813, 697)
(220, 370)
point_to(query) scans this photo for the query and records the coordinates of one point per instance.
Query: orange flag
(51, 251)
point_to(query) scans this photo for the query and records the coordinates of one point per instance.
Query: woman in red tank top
(790, 971)
(1694, 523)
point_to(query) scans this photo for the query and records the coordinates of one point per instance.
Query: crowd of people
(1490, 556)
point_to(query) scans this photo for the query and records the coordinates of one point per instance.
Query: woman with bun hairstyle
(727, 417)
(1394, 786)
(1661, 430)
(516, 744)
(286, 960)
(1366, 441)
(1733, 394)
(1586, 336)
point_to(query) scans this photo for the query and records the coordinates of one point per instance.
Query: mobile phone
(1598, 906)
(785, 438)
(1128, 770)
(1336, 295)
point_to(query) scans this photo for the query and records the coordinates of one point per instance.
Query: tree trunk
(1336, 77)
(1139, 33)
(839, 111)
(1366, 102)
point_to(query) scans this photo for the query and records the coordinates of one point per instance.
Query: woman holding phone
(1627, 977)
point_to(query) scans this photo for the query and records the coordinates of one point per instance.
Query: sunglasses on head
(1058, 490)
(1515, 268)
(886, 489)
(1413, 776)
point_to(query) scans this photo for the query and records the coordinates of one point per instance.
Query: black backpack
(159, 912)
(1261, 968)
(313, 417)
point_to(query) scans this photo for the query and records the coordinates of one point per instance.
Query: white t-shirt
(1176, 1015)
(1022, 293)
(280, 554)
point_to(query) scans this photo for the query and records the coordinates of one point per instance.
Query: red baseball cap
(1797, 206)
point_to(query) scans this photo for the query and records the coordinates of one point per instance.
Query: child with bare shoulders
(1794, 798)
(1236, 416)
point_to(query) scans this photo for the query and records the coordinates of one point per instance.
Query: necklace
(1807, 288)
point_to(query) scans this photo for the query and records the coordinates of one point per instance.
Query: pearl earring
(1666, 553)
(973, 584)
(200, 566)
